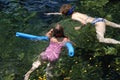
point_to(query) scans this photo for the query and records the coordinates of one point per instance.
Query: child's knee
(36, 64)
(100, 39)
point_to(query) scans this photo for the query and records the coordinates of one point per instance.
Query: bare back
(83, 18)
(59, 40)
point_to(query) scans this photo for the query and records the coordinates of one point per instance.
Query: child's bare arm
(55, 13)
(49, 33)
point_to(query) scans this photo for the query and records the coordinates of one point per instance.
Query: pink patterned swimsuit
(52, 52)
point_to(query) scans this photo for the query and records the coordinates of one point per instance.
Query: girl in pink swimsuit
(52, 52)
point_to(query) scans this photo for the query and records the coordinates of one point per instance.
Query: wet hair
(66, 9)
(58, 32)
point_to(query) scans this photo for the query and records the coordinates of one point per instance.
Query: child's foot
(26, 76)
(49, 74)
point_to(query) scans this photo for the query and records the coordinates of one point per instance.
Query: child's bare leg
(109, 23)
(107, 40)
(49, 74)
(100, 30)
(35, 65)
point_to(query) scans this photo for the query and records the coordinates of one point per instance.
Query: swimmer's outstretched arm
(55, 13)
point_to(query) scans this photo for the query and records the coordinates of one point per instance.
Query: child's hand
(47, 14)
(52, 30)
(50, 33)
(77, 28)
(55, 13)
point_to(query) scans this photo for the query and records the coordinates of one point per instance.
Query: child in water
(52, 52)
(99, 23)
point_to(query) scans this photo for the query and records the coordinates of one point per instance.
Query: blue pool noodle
(70, 49)
(31, 37)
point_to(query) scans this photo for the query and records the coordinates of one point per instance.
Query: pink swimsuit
(52, 52)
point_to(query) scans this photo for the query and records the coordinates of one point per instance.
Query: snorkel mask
(70, 11)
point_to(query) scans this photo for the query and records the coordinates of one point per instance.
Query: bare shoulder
(76, 15)
(79, 14)
(53, 38)
(66, 39)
